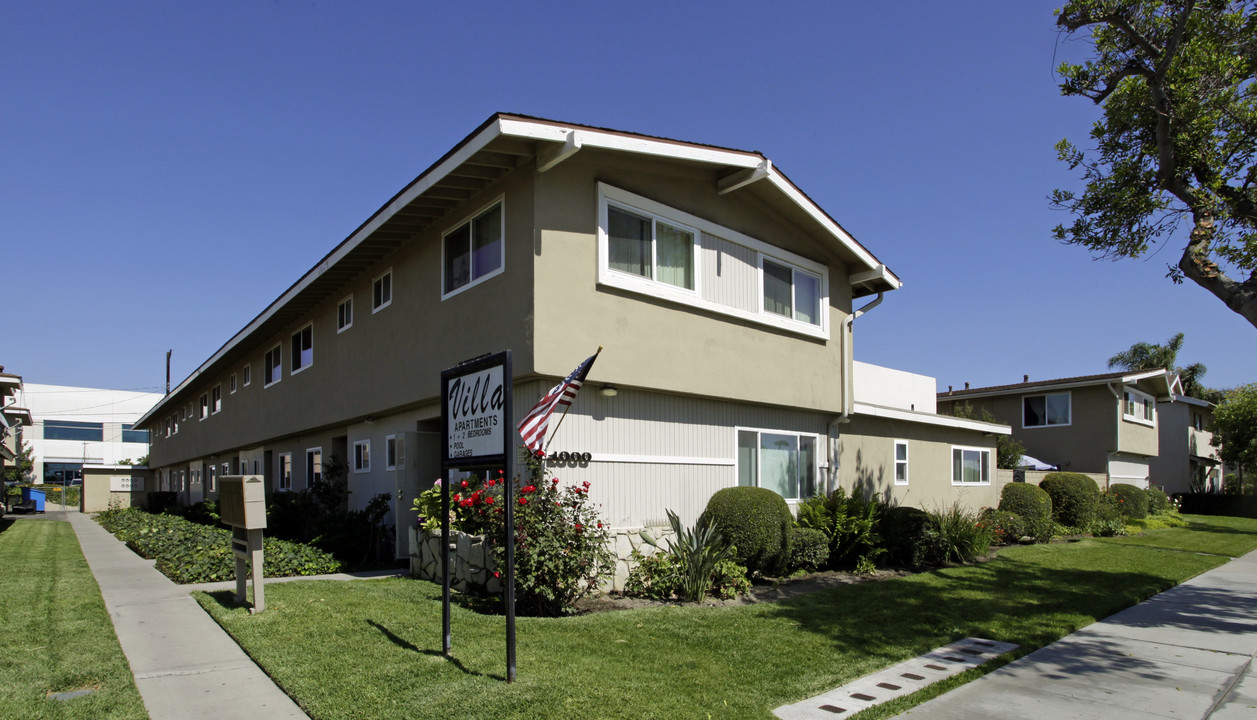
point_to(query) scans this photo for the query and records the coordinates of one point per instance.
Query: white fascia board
(931, 419)
(404, 198)
(1188, 401)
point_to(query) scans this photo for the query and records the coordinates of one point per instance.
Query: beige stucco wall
(867, 463)
(96, 495)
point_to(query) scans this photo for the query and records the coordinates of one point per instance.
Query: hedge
(1074, 498)
(756, 522)
(1132, 500)
(190, 553)
(1219, 504)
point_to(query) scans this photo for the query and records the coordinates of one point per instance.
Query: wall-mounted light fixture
(609, 391)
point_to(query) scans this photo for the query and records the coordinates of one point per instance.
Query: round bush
(1033, 505)
(1132, 501)
(907, 537)
(1074, 498)
(1006, 527)
(809, 549)
(1158, 501)
(756, 522)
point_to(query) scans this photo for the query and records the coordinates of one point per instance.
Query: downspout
(846, 358)
(1108, 458)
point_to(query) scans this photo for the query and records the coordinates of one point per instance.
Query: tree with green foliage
(23, 470)
(1176, 146)
(1234, 426)
(1150, 356)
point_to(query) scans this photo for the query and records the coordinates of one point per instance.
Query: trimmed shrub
(1158, 501)
(1132, 501)
(809, 549)
(755, 521)
(1006, 527)
(906, 536)
(1033, 505)
(1074, 498)
(187, 552)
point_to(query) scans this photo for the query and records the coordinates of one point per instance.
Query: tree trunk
(1240, 297)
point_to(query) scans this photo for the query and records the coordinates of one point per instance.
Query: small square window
(345, 314)
(382, 291)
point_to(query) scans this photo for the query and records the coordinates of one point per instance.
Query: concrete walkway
(1185, 653)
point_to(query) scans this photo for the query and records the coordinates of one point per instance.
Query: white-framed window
(302, 349)
(901, 462)
(382, 291)
(474, 251)
(257, 466)
(1198, 421)
(248, 374)
(970, 466)
(1048, 410)
(273, 366)
(345, 314)
(213, 478)
(790, 292)
(394, 452)
(362, 456)
(784, 462)
(216, 399)
(285, 471)
(204, 406)
(231, 383)
(650, 248)
(1139, 407)
(314, 466)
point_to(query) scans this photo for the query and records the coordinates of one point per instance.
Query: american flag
(534, 425)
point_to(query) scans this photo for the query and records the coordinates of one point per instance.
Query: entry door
(420, 466)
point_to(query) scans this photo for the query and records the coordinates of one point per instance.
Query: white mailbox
(242, 501)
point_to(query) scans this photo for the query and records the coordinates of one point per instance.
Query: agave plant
(695, 553)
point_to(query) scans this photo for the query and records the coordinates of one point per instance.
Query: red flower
(488, 500)
(464, 483)
(599, 526)
(457, 497)
(497, 574)
(523, 501)
(554, 481)
(578, 527)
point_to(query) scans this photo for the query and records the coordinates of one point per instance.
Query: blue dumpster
(29, 494)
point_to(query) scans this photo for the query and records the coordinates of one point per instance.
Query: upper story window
(650, 248)
(216, 399)
(1045, 410)
(474, 251)
(248, 374)
(792, 293)
(302, 348)
(345, 314)
(1139, 407)
(70, 430)
(1198, 421)
(382, 291)
(204, 406)
(273, 366)
(231, 383)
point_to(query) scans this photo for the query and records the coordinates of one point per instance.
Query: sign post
(476, 421)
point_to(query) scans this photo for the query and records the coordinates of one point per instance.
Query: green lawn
(55, 635)
(372, 649)
(1230, 536)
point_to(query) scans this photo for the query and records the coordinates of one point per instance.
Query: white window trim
(794, 305)
(990, 458)
(203, 407)
(693, 298)
(651, 285)
(378, 278)
(907, 465)
(390, 440)
(354, 459)
(234, 384)
(215, 409)
(501, 199)
(1068, 393)
(279, 473)
(309, 325)
(267, 366)
(347, 299)
(248, 374)
(318, 450)
(1149, 401)
(818, 452)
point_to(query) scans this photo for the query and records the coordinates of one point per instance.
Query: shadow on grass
(407, 645)
(6, 523)
(1209, 527)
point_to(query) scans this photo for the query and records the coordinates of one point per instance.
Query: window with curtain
(970, 466)
(650, 247)
(473, 250)
(1045, 410)
(791, 293)
(782, 462)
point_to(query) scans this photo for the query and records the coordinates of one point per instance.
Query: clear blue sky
(168, 169)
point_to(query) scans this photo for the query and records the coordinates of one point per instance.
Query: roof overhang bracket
(873, 274)
(552, 156)
(742, 178)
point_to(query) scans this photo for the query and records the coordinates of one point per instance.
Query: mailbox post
(242, 505)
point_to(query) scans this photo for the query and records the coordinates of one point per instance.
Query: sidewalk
(185, 666)
(1185, 653)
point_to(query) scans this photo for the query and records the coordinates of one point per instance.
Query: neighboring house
(1187, 461)
(895, 446)
(723, 296)
(13, 417)
(74, 426)
(1104, 424)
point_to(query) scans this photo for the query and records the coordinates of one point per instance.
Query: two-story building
(1102, 424)
(1187, 461)
(723, 295)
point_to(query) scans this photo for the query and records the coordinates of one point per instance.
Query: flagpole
(564, 415)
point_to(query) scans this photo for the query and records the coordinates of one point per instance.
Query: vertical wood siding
(730, 274)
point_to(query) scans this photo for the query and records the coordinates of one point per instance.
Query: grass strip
(55, 634)
(1216, 535)
(372, 649)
